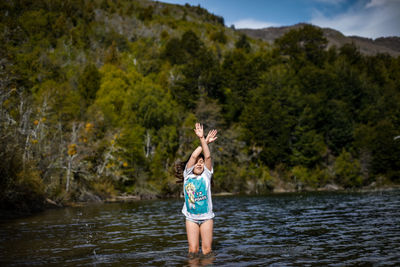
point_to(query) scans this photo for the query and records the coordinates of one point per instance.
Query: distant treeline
(99, 98)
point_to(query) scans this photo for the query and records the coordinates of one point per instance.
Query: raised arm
(211, 137)
(193, 157)
(206, 151)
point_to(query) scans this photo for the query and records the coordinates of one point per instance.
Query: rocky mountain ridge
(367, 46)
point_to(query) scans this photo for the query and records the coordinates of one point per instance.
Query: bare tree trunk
(68, 172)
(24, 129)
(106, 158)
(71, 154)
(25, 156)
(148, 144)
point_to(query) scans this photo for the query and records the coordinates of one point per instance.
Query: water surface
(281, 230)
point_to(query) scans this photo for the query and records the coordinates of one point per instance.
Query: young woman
(197, 208)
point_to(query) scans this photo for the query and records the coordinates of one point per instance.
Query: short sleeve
(207, 172)
(187, 171)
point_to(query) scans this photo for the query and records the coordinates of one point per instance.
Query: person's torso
(197, 194)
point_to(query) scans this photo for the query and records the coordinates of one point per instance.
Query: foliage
(311, 178)
(102, 96)
(22, 189)
(306, 43)
(243, 43)
(89, 83)
(347, 170)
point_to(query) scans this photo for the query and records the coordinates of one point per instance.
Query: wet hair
(179, 167)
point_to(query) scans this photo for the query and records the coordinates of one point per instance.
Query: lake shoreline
(329, 228)
(6, 215)
(336, 188)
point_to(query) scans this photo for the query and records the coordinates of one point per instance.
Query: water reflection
(195, 260)
(288, 229)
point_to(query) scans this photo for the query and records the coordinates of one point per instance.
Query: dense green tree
(347, 170)
(112, 95)
(306, 43)
(267, 118)
(308, 147)
(112, 54)
(201, 71)
(155, 108)
(219, 36)
(191, 43)
(351, 53)
(89, 83)
(146, 13)
(240, 76)
(105, 94)
(174, 51)
(243, 43)
(338, 127)
(386, 150)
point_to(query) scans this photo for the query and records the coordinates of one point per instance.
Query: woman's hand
(199, 130)
(211, 136)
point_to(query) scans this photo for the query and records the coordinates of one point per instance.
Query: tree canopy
(100, 97)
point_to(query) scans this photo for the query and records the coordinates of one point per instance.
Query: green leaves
(268, 117)
(89, 83)
(347, 170)
(147, 73)
(243, 43)
(308, 147)
(111, 96)
(179, 51)
(306, 43)
(156, 108)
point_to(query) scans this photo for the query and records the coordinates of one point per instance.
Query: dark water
(281, 230)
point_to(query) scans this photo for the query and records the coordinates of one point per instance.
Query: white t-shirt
(197, 192)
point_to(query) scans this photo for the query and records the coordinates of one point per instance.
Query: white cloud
(375, 3)
(377, 18)
(253, 24)
(331, 2)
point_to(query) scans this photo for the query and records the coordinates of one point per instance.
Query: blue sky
(366, 18)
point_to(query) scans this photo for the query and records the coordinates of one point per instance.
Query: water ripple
(278, 230)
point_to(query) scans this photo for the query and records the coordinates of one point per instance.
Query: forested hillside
(367, 46)
(99, 98)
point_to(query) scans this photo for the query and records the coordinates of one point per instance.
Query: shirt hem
(201, 217)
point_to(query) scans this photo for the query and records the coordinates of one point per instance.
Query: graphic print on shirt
(196, 196)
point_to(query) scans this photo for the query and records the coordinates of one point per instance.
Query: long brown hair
(179, 168)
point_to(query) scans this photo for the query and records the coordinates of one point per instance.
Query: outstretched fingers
(199, 130)
(212, 136)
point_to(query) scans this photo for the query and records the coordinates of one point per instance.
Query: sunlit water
(281, 230)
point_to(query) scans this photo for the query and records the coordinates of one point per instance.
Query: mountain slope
(389, 45)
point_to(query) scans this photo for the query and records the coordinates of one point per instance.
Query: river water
(283, 230)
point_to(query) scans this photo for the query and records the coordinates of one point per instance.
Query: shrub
(347, 170)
